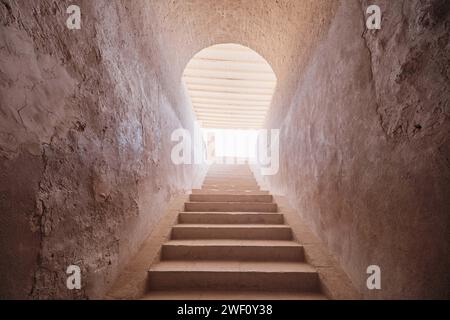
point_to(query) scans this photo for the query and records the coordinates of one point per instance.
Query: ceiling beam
(225, 89)
(232, 112)
(236, 102)
(231, 96)
(231, 118)
(229, 55)
(233, 75)
(229, 83)
(243, 65)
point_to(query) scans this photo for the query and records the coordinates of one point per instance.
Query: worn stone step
(230, 185)
(230, 231)
(229, 192)
(253, 186)
(230, 198)
(231, 175)
(240, 178)
(231, 295)
(229, 170)
(230, 218)
(241, 250)
(231, 206)
(233, 275)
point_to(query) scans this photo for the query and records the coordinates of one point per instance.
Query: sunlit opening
(230, 86)
(231, 143)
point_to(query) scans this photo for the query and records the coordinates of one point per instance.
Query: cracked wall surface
(86, 117)
(90, 112)
(365, 146)
(85, 144)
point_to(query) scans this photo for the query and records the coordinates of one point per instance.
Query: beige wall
(86, 118)
(365, 147)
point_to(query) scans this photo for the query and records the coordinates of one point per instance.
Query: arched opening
(231, 88)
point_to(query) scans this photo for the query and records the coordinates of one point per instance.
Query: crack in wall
(372, 72)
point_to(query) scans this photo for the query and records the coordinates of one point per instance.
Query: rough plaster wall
(90, 113)
(365, 146)
(99, 149)
(85, 124)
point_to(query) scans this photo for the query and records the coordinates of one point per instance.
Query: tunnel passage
(363, 116)
(92, 111)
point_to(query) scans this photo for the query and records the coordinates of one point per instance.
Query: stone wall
(86, 118)
(365, 146)
(85, 126)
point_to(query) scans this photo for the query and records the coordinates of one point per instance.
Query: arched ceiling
(230, 86)
(284, 32)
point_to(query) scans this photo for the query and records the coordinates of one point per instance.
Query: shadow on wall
(364, 147)
(84, 146)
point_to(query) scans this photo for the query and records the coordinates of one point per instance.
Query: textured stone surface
(85, 144)
(90, 112)
(365, 146)
(86, 117)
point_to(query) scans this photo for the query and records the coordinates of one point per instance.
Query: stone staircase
(231, 243)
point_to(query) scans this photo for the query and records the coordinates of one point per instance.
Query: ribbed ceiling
(231, 86)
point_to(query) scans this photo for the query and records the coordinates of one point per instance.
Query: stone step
(229, 192)
(237, 178)
(230, 206)
(230, 186)
(233, 275)
(230, 170)
(230, 198)
(230, 231)
(240, 179)
(231, 175)
(232, 295)
(230, 218)
(226, 190)
(242, 250)
(235, 173)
